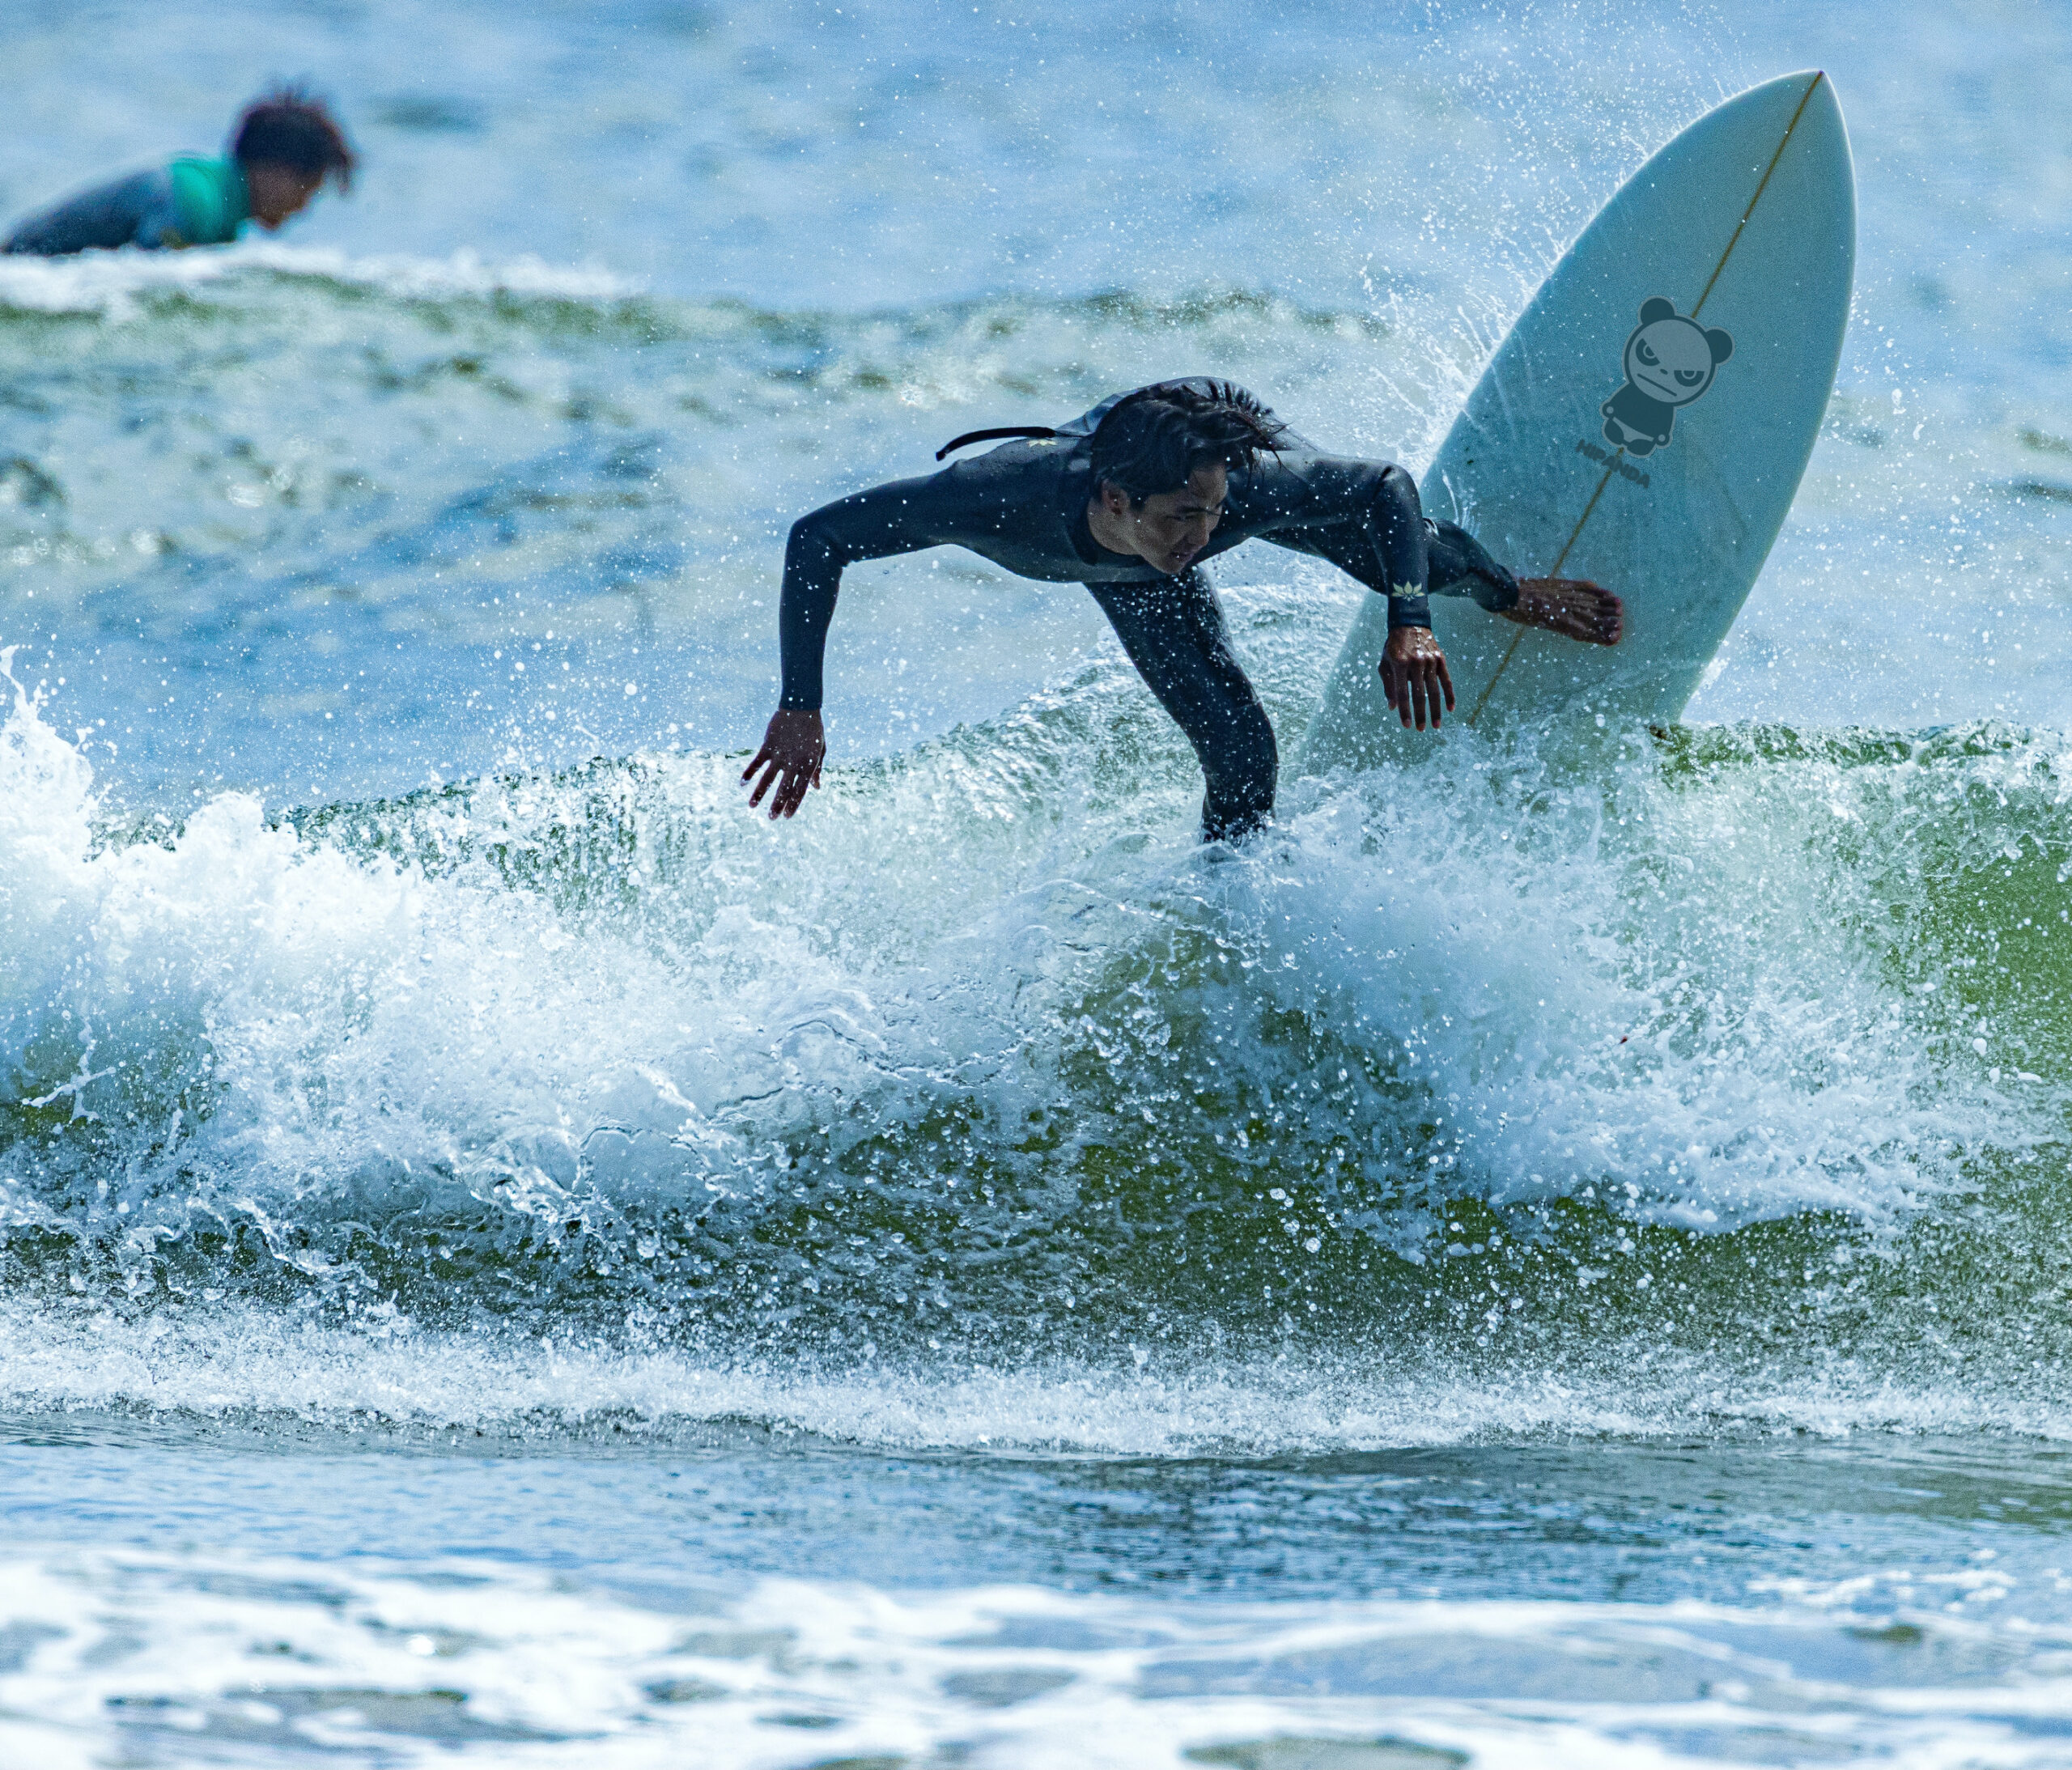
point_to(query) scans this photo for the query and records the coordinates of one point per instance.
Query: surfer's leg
(1175, 635)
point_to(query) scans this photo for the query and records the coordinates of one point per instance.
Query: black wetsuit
(1023, 506)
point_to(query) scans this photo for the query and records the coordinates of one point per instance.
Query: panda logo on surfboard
(1669, 363)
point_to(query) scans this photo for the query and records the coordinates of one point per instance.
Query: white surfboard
(1645, 424)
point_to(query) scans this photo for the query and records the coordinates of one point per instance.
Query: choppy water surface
(1557, 1258)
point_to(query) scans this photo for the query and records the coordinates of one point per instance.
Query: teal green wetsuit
(193, 201)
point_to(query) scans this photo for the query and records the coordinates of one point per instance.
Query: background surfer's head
(287, 144)
(1672, 359)
(1163, 459)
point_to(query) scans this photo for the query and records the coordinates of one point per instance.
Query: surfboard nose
(1745, 223)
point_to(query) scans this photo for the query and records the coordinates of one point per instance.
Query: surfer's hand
(1414, 675)
(793, 748)
(1572, 607)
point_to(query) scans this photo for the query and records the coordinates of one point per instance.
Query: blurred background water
(1559, 1258)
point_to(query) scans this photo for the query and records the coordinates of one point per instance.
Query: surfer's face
(1670, 360)
(1168, 529)
(278, 192)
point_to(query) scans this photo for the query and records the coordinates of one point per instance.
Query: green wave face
(1738, 1046)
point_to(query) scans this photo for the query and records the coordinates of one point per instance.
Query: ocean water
(1561, 1257)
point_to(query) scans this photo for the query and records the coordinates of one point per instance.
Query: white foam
(473, 1662)
(1584, 1022)
(382, 1368)
(1604, 984)
(110, 282)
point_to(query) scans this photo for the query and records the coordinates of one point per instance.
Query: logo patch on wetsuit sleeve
(1670, 362)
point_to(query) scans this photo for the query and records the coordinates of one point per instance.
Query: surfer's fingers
(1390, 691)
(1606, 611)
(1445, 682)
(762, 755)
(763, 786)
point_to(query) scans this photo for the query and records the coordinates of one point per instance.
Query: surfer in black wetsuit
(1129, 500)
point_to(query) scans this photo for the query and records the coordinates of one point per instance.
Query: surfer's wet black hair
(290, 126)
(1153, 441)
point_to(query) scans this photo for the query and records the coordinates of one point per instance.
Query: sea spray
(1548, 1055)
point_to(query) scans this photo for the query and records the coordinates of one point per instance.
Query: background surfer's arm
(159, 231)
(903, 517)
(133, 211)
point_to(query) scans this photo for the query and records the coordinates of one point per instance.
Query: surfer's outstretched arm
(1365, 517)
(1413, 668)
(1359, 515)
(902, 516)
(1572, 607)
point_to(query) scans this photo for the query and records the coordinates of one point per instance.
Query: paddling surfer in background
(1129, 500)
(283, 150)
